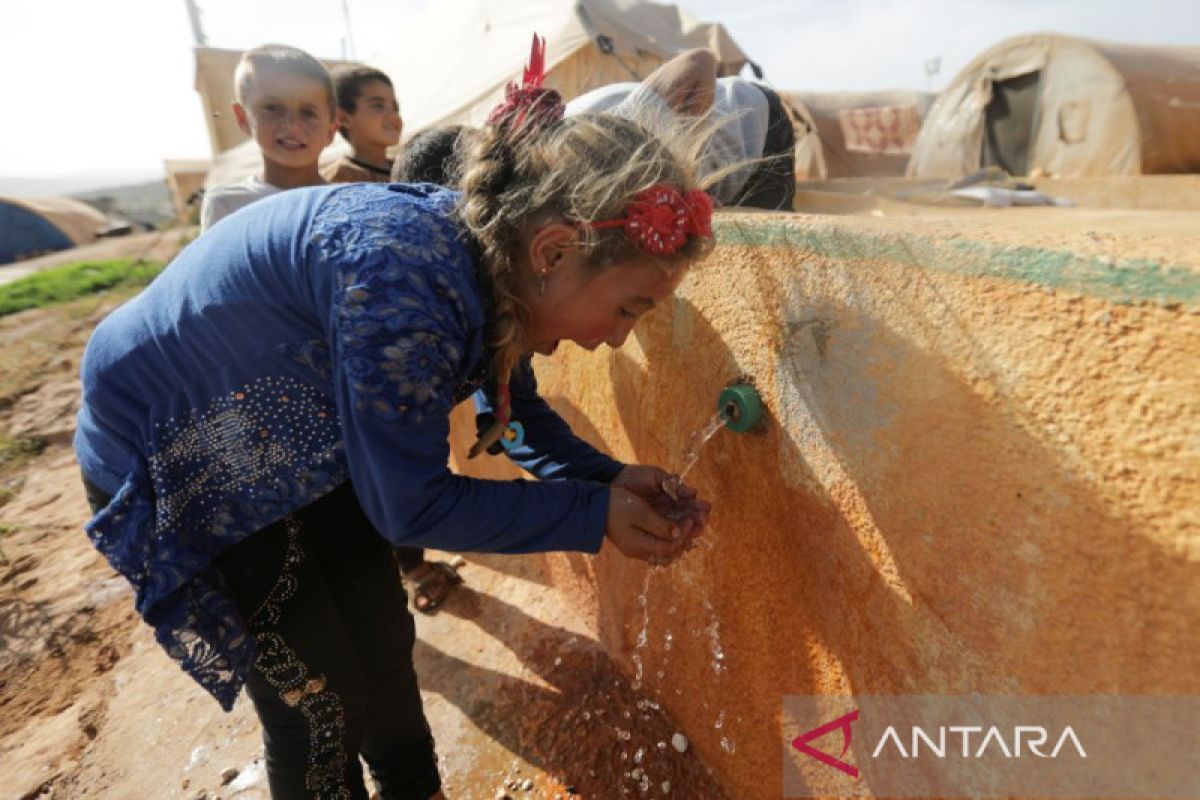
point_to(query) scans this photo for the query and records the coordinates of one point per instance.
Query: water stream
(695, 446)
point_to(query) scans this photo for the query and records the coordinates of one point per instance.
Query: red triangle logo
(843, 723)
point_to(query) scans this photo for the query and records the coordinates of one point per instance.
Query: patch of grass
(70, 281)
(16, 451)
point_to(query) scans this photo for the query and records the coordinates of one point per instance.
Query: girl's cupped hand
(653, 516)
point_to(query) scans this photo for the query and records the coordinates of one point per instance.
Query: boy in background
(368, 118)
(285, 101)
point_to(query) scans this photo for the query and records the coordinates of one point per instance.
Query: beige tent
(810, 159)
(450, 66)
(1051, 104)
(864, 134)
(185, 177)
(214, 84)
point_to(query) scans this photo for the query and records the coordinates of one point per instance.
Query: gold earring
(541, 283)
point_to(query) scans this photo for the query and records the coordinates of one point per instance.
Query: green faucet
(741, 406)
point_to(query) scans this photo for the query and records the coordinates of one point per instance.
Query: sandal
(431, 584)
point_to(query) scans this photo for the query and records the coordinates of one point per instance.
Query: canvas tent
(450, 66)
(214, 84)
(185, 177)
(809, 154)
(864, 134)
(1067, 107)
(30, 227)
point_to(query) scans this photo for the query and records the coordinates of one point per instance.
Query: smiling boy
(369, 120)
(286, 103)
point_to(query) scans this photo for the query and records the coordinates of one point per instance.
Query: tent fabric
(809, 153)
(214, 83)
(185, 177)
(1097, 108)
(865, 134)
(451, 65)
(32, 226)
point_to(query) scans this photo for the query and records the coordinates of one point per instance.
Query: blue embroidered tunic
(317, 336)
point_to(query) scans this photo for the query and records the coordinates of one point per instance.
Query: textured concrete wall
(980, 472)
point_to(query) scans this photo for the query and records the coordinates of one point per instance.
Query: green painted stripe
(1135, 280)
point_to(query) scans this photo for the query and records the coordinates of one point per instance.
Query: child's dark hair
(284, 58)
(348, 84)
(585, 169)
(432, 156)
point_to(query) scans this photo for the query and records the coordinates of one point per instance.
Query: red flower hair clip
(660, 219)
(530, 103)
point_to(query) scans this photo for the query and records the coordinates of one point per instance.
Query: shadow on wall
(900, 530)
(1002, 549)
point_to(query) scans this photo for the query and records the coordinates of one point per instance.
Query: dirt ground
(516, 688)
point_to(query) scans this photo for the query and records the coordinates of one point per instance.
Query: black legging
(333, 675)
(772, 185)
(409, 557)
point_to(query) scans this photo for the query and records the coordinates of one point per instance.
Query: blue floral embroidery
(401, 321)
(313, 354)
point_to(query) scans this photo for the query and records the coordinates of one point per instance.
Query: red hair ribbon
(660, 219)
(529, 104)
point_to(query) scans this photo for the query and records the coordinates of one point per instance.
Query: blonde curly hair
(583, 169)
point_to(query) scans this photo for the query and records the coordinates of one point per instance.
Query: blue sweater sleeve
(399, 340)
(551, 450)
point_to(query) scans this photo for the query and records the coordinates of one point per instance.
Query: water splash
(714, 639)
(643, 635)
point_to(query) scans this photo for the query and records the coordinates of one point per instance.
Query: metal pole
(349, 33)
(198, 37)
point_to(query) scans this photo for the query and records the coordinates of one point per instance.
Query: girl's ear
(553, 247)
(243, 118)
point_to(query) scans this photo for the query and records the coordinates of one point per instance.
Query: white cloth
(998, 196)
(221, 201)
(740, 115)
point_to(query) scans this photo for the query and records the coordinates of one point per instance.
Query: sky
(106, 87)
